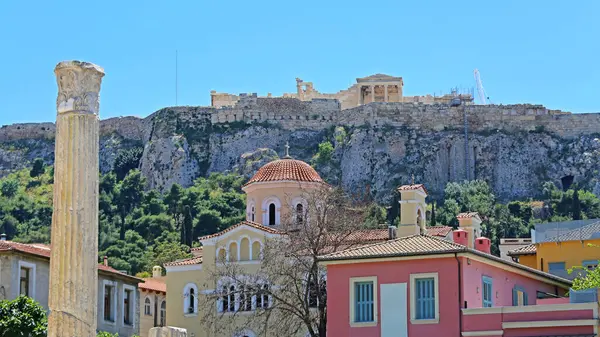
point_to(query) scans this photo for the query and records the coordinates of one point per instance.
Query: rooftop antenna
(176, 89)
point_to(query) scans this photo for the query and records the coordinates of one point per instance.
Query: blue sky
(544, 52)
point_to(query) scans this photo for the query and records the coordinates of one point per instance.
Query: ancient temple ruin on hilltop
(374, 88)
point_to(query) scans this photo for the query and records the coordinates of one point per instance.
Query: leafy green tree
(38, 168)
(129, 196)
(9, 187)
(576, 208)
(127, 160)
(22, 317)
(187, 226)
(324, 153)
(166, 251)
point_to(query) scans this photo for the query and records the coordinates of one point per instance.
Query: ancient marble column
(73, 294)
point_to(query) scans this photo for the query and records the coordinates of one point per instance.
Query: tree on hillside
(9, 187)
(129, 196)
(127, 160)
(38, 168)
(22, 317)
(289, 285)
(576, 208)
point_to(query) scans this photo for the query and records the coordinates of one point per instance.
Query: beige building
(25, 270)
(374, 88)
(153, 301)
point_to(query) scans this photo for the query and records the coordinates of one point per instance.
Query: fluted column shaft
(73, 294)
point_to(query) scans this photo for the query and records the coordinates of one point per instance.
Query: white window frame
(413, 298)
(265, 210)
(32, 283)
(113, 299)
(160, 322)
(186, 298)
(150, 299)
(354, 280)
(132, 306)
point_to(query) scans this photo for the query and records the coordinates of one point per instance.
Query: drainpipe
(459, 294)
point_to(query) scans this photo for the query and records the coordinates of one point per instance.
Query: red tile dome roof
(286, 169)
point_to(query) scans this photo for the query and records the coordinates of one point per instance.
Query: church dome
(286, 169)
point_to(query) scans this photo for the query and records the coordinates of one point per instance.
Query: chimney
(483, 244)
(461, 237)
(156, 271)
(106, 260)
(391, 232)
(2, 237)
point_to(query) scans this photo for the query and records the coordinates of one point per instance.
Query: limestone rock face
(167, 161)
(250, 162)
(376, 147)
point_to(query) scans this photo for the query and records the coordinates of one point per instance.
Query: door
(394, 310)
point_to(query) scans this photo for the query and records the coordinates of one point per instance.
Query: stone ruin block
(167, 331)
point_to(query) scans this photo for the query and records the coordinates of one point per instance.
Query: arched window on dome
(252, 213)
(272, 213)
(299, 213)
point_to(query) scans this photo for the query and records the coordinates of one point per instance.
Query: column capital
(78, 87)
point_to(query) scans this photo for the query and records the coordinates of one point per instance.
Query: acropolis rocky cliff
(380, 140)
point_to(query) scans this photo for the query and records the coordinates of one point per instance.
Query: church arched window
(272, 210)
(299, 213)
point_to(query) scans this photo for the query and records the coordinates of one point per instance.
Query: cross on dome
(287, 150)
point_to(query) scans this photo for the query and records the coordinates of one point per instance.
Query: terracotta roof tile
(467, 215)
(412, 187)
(525, 250)
(243, 223)
(185, 262)
(152, 284)
(381, 234)
(442, 231)
(286, 169)
(43, 250)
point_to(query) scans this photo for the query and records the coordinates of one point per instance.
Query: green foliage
(9, 188)
(127, 160)
(106, 334)
(22, 317)
(324, 153)
(38, 168)
(138, 228)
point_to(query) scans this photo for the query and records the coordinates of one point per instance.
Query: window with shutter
(363, 301)
(487, 292)
(425, 298)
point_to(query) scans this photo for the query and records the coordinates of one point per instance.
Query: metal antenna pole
(176, 89)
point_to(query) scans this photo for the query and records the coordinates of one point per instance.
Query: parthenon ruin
(374, 88)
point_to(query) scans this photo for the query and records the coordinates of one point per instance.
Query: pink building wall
(503, 283)
(338, 290)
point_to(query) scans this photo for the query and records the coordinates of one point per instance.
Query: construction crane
(483, 99)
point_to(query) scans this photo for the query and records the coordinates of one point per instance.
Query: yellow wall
(147, 321)
(529, 261)
(573, 253)
(177, 280)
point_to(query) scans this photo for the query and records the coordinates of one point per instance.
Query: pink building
(420, 285)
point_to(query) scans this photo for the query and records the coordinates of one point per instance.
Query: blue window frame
(519, 296)
(556, 266)
(425, 298)
(363, 302)
(590, 264)
(487, 291)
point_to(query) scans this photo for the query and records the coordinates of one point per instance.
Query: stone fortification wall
(293, 114)
(130, 128)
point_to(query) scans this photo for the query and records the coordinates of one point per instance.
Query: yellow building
(153, 301)
(575, 248)
(274, 196)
